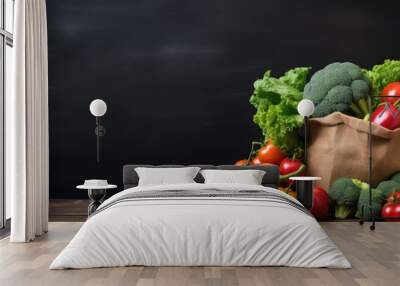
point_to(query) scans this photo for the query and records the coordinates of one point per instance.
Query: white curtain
(27, 124)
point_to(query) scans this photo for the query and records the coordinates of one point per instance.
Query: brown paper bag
(338, 147)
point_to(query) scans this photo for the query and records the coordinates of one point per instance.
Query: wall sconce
(306, 109)
(98, 108)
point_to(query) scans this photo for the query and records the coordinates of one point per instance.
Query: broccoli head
(387, 187)
(396, 177)
(363, 202)
(339, 87)
(345, 192)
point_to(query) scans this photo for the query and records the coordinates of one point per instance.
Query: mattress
(201, 225)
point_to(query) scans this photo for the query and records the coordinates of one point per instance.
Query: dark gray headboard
(271, 177)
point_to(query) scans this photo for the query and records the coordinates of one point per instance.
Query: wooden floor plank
(375, 257)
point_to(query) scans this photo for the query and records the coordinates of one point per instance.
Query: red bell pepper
(387, 115)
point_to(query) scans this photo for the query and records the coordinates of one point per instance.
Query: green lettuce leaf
(383, 74)
(276, 101)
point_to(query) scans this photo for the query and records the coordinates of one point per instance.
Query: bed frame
(271, 177)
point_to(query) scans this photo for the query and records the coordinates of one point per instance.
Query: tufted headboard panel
(271, 177)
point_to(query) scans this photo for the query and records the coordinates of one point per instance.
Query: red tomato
(320, 208)
(242, 162)
(392, 89)
(270, 154)
(391, 210)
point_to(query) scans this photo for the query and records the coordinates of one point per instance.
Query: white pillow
(248, 177)
(165, 176)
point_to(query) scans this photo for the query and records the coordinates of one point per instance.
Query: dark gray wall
(177, 75)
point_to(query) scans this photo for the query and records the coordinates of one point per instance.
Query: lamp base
(304, 191)
(100, 131)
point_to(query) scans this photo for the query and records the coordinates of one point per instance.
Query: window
(6, 62)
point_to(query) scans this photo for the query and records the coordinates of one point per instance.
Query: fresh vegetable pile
(351, 198)
(338, 87)
(276, 102)
(345, 87)
(271, 154)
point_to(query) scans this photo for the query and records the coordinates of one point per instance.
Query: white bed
(206, 230)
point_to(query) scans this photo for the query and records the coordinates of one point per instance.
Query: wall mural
(177, 76)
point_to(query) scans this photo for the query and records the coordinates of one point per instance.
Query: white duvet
(200, 231)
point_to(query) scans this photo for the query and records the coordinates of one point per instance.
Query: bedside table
(304, 189)
(96, 195)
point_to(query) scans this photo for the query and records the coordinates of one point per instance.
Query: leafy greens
(276, 101)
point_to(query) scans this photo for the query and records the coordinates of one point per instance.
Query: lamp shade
(98, 107)
(305, 107)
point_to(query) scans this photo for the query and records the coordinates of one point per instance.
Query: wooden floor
(68, 209)
(375, 257)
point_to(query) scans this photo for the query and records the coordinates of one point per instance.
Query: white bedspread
(200, 231)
